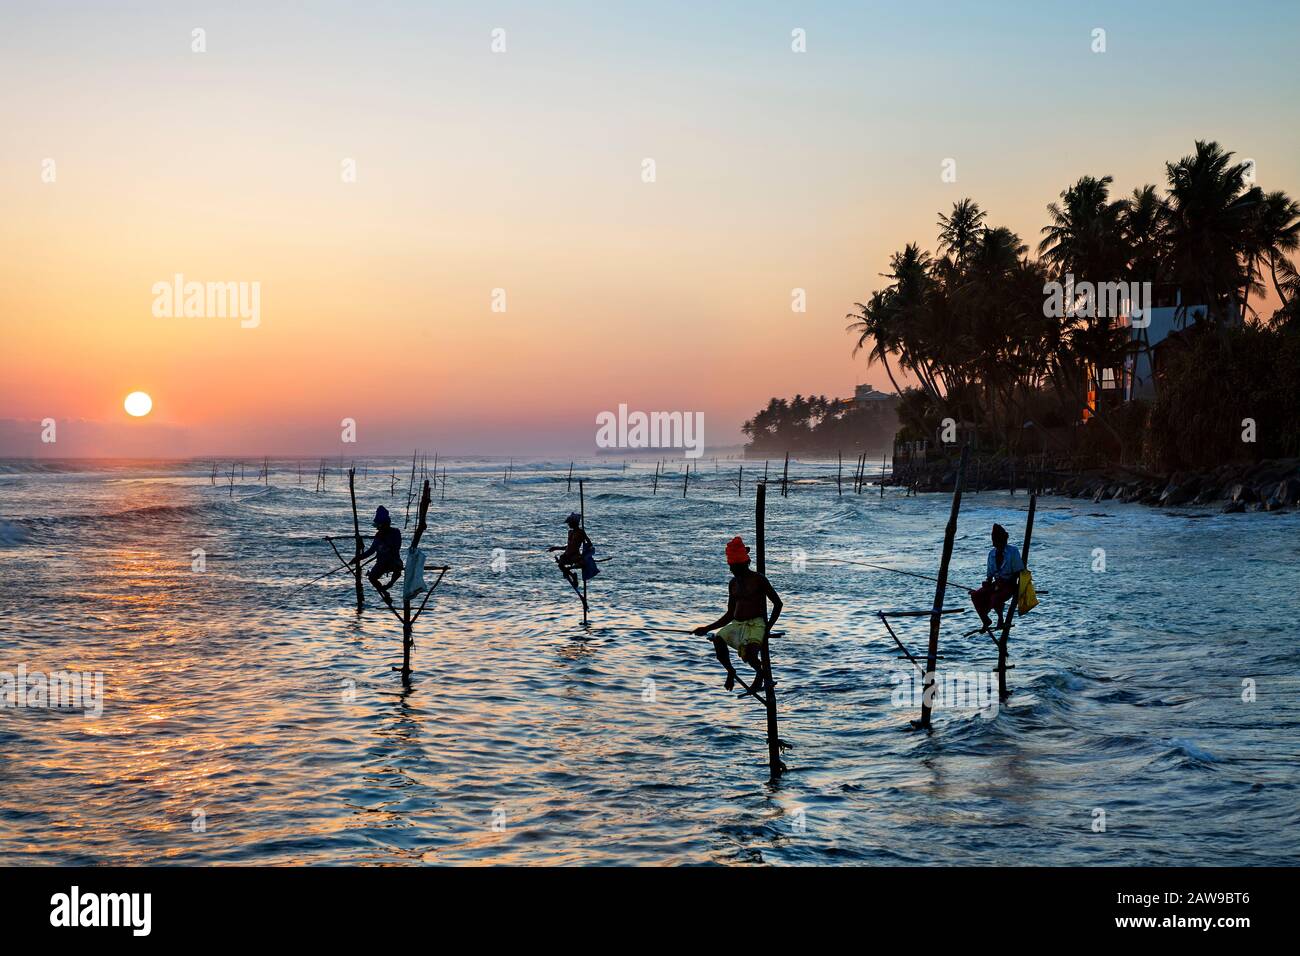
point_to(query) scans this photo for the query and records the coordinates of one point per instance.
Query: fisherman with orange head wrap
(746, 622)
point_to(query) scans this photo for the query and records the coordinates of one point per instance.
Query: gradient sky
(521, 171)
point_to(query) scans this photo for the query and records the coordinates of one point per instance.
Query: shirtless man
(571, 554)
(743, 626)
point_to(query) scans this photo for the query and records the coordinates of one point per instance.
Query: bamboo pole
(656, 489)
(356, 535)
(882, 476)
(785, 475)
(740, 480)
(936, 612)
(570, 485)
(773, 737)
(1003, 693)
(839, 477)
(686, 480)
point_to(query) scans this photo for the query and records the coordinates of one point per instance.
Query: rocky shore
(1239, 487)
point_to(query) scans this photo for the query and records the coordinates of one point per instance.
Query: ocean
(246, 719)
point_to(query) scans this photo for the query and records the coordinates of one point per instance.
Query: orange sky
(519, 171)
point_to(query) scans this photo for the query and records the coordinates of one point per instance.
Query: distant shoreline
(1270, 485)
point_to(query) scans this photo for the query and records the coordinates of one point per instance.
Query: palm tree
(959, 232)
(1274, 236)
(1141, 217)
(872, 322)
(1208, 213)
(1086, 236)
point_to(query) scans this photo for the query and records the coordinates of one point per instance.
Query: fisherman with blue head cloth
(387, 549)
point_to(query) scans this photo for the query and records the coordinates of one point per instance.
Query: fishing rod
(344, 567)
(664, 630)
(881, 567)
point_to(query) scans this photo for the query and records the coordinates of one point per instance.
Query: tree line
(968, 322)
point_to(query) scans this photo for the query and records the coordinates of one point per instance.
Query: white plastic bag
(413, 580)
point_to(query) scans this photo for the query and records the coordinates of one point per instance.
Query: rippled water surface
(245, 721)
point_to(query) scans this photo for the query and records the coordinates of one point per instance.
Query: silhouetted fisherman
(387, 549)
(1001, 579)
(574, 553)
(744, 625)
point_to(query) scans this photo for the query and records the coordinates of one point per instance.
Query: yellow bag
(1026, 600)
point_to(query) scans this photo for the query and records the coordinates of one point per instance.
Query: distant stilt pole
(686, 480)
(1003, 693)
(940, 588)
(570, 486)
(410, 491)
(839, 477)
(769, 686)
(656, 488)
(882, 476)
(740, 480)
(785, 475)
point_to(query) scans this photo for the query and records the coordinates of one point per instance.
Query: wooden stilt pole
(882, 476)
(582, 523)
(740, 480)
(356, 535)
(785, 475)
(769, 686)
(1005, 639)
(839, 477)
(408, 620)
(656, 489)
(686, 480)
(936, 611)
(569, 487)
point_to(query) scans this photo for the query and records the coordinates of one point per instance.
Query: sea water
(246, 719)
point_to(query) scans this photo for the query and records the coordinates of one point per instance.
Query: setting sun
(138, 404)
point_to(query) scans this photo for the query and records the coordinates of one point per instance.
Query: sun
(138, 404)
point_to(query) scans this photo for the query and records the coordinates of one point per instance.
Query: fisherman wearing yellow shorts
(743, 626)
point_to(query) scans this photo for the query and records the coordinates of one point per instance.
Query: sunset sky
(522, 171)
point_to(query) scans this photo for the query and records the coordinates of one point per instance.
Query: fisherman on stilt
(744, 625)
(1001, 579)
(387, 549)
(577, 553)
